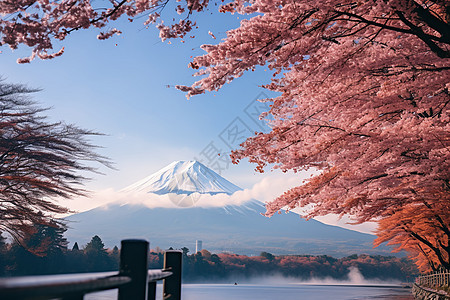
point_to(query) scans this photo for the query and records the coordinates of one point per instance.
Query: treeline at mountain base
(46, 252)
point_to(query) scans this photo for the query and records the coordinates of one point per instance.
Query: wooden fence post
(151, 292)
(172, 284)
(134, 264)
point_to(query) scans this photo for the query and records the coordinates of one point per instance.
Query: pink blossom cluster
(107, 35)
(38, 23)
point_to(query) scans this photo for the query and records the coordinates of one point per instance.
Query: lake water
(284, 292)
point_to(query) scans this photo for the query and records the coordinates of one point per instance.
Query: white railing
(437, 279)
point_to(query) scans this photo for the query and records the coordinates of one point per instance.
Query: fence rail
(437, 279)
(133, 279)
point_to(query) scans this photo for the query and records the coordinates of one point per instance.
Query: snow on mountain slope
(184, 177)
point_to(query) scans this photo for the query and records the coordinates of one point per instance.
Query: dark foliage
(39, 161)
(202, 266)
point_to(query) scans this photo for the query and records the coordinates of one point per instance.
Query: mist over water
(354, 278)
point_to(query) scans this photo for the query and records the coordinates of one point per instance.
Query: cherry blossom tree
(39, 161)
(364, 97)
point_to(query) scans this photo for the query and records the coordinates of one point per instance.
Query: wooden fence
(133, 280)
(437, 279)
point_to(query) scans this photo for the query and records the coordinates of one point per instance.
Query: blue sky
(120, 87)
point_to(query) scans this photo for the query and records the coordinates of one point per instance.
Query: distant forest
(46, 252)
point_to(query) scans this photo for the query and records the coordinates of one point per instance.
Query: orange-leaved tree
(421, 228)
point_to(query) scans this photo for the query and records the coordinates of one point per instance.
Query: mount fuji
(223, 227)
(184, 177)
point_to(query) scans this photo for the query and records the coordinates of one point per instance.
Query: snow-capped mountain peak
(184, 177)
